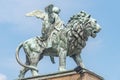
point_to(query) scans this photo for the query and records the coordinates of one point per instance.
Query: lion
(68, 42)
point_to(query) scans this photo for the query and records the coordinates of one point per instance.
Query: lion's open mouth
(94, 32)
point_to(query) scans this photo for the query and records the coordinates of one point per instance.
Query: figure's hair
(51, 8)
(56, 10)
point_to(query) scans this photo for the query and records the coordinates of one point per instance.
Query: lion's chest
(76, 46)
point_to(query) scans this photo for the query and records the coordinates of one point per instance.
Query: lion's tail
(19, 61)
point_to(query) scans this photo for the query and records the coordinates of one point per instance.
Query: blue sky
(101, 55)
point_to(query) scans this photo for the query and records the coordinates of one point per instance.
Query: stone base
(67, 75)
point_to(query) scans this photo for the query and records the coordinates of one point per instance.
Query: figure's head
(56, 10)
(52, 9)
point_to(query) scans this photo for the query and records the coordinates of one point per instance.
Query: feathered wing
(37, 13)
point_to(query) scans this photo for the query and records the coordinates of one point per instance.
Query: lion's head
(80, 27)
(92, 27)
(89, 25)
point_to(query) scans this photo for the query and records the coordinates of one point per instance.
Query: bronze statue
(57, 40)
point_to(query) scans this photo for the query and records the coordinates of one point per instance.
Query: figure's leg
(78, 60)
(62, 60)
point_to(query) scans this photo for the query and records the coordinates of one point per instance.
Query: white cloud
(3, 77)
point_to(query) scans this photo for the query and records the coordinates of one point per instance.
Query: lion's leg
(62, 60)
(22, 73)
(34, 72)
(34, 59)
(78, 60)
(24, 69)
